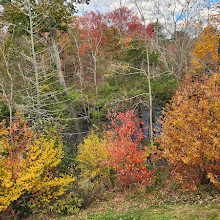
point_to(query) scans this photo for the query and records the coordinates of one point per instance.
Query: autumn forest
(101, 103)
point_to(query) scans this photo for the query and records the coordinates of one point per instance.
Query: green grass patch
(160, 213)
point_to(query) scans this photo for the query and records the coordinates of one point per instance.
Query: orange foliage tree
(205, 55)
(27, 165)
(190, 137)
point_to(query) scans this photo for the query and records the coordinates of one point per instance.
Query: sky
(167, 12)
(107, 5)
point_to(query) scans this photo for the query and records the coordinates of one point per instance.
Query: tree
(6, 81)
(33, 79)
(40, 23)
(205, 56)
(128, 24)
(190, 131)
(126, 154)
(92, 41)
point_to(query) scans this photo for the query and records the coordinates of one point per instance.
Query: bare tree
(34, 58)
(7, 89)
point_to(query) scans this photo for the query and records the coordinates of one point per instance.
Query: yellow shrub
(27, 165)
(92, 154)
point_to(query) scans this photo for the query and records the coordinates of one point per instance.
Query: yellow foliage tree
(205, 54)
(27, 165)
(92, 153)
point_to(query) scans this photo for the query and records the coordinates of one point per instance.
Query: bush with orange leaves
(190, 137)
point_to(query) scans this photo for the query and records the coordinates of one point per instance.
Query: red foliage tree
(129, 24)
(91, 26)
(125, 153)
(95, 28)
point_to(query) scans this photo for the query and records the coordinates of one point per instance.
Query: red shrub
(125, 153)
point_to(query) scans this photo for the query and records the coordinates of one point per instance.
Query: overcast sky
(166, 11)
(106, 5)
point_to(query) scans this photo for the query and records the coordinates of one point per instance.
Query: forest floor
(130, 206)
(200, 205)
(167, 212)
(165, 201)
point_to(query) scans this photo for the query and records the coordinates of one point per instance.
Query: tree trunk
(34, 60)
(80, 74)
(150, 98)
(60, 75)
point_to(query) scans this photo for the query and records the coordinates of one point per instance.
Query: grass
(134, 212)
(160, 202)
(160, 213)
(145, 208)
